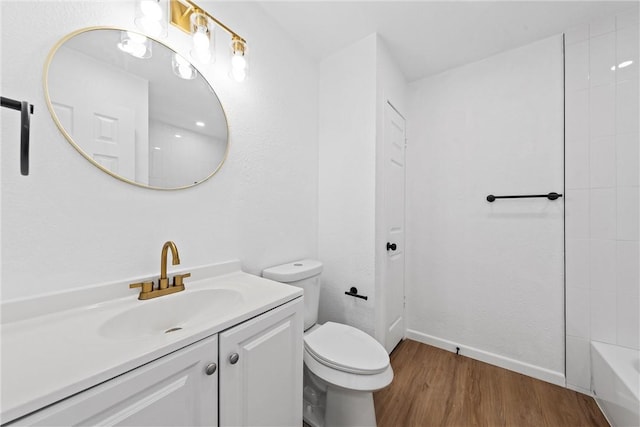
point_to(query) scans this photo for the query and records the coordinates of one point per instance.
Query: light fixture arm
(181, 11)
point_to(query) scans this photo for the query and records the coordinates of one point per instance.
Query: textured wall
(488, 277)
(347, 129)
(68, 225)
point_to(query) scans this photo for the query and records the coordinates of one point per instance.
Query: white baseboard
(524, 368)
(579, 389)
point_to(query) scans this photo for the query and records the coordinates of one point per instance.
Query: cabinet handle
(211, 368)
(233, 358)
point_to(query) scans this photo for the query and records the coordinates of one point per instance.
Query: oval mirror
(135, 108)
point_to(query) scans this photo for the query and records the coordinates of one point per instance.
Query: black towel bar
(550, 196)
(26, 110)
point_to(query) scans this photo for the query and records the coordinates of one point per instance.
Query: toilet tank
(304, 274)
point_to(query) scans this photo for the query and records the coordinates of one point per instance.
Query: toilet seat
(346, 349)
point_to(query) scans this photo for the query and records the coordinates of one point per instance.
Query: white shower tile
(577, 139)
(628, 17)
(578, 362)
(628, 320)
(578, 312)
(577, 214)
(602, 213)
(577, 66)
(628, 268)
(603, 316)
(627, 159)
(602, 265)
(627, 46)
(628, 218)
(577, 262)
(602, 163)
(602, 110)
(627, 111)
(602, 57)
(602, 25)
(576, 34)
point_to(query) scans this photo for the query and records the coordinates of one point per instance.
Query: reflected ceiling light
(195, 21)
(182, 68)
(622, 65)
(151, 17)
(177, 135)
(135, 44)
(201, 124)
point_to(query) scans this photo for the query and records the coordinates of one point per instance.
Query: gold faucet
(146, 288)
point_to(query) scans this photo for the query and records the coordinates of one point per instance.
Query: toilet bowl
(343, 365)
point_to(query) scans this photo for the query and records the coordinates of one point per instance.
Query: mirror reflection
(135, 108)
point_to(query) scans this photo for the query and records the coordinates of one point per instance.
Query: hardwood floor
(434, 387)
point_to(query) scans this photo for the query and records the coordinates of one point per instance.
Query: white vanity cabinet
(261, 369)
(174, 390)
(247, 375)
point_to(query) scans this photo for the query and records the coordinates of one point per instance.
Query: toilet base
(328, 405)
(349, 408)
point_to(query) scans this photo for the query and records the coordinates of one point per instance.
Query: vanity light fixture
(135, 44)
(195, 21)
(203, 40)
(182, 68)
(239, 67)
(151, 17)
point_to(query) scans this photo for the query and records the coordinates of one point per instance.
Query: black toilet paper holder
(353, 292)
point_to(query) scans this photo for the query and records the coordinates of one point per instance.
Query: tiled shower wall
(602, 190)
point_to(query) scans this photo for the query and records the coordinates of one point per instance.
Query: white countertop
(50, 356)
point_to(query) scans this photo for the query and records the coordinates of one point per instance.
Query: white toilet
(343, 366)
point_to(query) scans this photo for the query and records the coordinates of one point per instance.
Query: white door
(393, 182)
(261, 369)
(106, 133)
(180, 389)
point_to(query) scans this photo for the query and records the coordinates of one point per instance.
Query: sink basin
(171, 313)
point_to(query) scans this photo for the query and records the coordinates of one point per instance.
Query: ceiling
(427, 37)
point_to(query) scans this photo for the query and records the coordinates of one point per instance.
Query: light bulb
(201, 39)
(238, 62)
(151, 9)
(238, 74)
(182, 68)
(150, 26)
(136, 38)
(135, 44)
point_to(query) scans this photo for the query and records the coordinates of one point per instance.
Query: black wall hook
(26, 110)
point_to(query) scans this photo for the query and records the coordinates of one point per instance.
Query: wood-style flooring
(434, 387)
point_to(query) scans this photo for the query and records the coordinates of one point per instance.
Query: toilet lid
(347, 349)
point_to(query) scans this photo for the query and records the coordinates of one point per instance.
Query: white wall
(355, 84)
(347, 144)
(68, 225)
(487, 277)
(602, 219)
(181, 161)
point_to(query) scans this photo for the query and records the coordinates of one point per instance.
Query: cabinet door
(174, 390)
(262, 386)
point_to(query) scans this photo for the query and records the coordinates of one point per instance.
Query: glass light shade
(182, 68)
(152, 17)
(239, 65)
(135, 44)
(203, 38)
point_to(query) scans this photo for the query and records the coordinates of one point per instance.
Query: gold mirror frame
(77, 146)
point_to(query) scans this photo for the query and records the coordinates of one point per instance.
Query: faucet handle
(178, 279)
(144, 286)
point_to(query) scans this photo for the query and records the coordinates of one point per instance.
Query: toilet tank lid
(293, 271)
